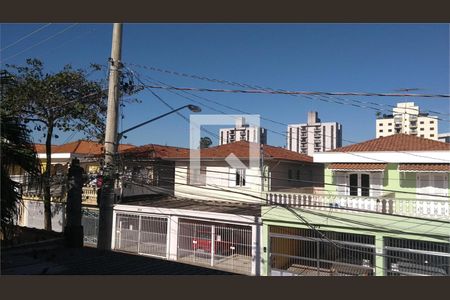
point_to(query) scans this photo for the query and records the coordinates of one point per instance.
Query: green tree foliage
(205, 142)
(67, 100)
(17, 151)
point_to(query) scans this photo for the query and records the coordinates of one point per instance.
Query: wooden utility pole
(108, 195)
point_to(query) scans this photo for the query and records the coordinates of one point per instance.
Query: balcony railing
(431, 209)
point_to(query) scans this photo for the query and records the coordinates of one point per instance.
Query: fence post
(213, 244)
(139, 234)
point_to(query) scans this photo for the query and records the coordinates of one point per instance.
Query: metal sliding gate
(416, 258)
(304, 252)
(89, 221)
(220, 246)
(141, 234)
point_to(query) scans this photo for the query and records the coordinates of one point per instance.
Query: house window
(381, 124)
(381, 130)
(431, 135)
(298, 175)
(389, 130)
(422, 129)
(240, 177)
(389, 124)
(431, 122)
(431, 128)
(431, 186)
(365, 185)
(422, 135)
(289, 174)
(359, 184)
(353, 184)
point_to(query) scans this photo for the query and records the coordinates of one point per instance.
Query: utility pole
(108, 194)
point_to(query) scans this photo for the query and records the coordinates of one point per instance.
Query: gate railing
(141, 234)
(218, 246)
(432, 209)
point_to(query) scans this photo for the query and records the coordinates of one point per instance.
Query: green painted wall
(393, 180)
(399, 181)
(377, 225)
(329, 180)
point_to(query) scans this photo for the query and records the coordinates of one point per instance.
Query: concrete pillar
(380, 258)
(256, 249)
(172, 237)
(265, 258)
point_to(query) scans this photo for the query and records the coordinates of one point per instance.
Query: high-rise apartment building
(406, 118)
(314, 136)
(243, 132)
(444, 137)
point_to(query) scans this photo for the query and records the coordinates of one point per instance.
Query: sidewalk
(55, 259)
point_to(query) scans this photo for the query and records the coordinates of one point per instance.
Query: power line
(299, 92)
(284, 135)
(41, 42)
(297, 168)
(263, 201)
(312, 181)
(226, 82)
(26, 36)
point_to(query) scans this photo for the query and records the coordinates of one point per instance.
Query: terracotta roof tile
(425, 167)
(40, 148)
(156, 151)
(396, 142)
(357, 166)
(241, 150)
(79, 147)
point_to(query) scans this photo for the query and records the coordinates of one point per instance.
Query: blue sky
(309, 57)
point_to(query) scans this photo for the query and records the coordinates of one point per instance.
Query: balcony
(429, 209)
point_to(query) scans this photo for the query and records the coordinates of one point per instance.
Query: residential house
(88, 152)
(214, 219)
(385, 211)
(279, 169)
(149, 170)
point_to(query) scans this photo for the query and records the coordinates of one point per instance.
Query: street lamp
(191, 107)
(108, 196)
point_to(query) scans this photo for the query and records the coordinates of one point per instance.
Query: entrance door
(353, 184)
(365, 185)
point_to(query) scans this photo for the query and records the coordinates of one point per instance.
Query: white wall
(220, 184)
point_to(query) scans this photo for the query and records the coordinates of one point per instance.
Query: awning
(356, 167)
(424, 167)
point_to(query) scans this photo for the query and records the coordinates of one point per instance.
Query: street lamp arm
(191, 107)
